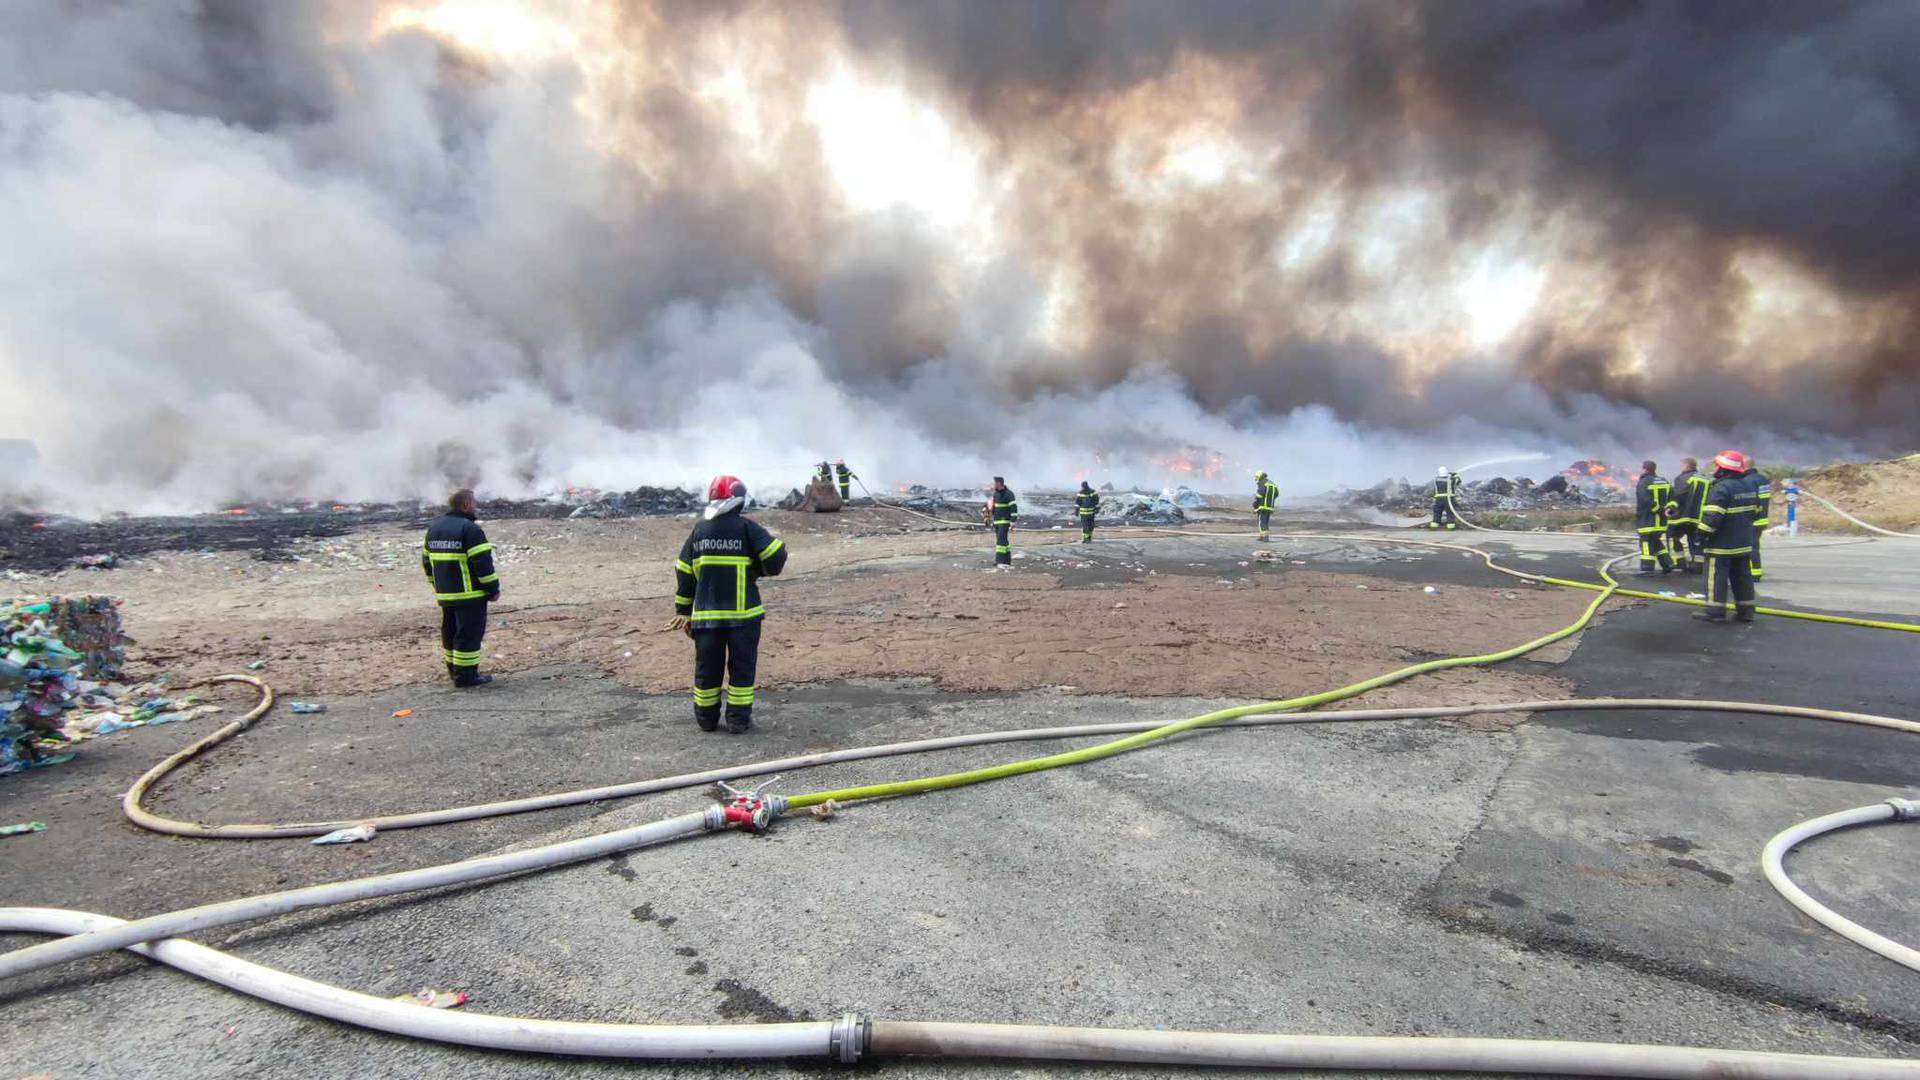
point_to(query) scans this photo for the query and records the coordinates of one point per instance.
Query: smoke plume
(370, 248)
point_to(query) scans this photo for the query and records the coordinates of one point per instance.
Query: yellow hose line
(1132, 742)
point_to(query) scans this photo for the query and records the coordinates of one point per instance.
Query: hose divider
(1904, 809)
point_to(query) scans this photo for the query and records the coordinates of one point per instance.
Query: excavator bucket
(822, 498)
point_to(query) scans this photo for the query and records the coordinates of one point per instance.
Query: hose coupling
(1905, 809)
(850, 1037)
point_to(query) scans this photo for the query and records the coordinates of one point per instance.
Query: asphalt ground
(1587, 876)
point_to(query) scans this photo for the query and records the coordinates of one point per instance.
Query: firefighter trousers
(725, 655)
(1686, 540)
(1003, 543)
(1266, 519)
(1730, 573)
(1653, 549)
(1086, 528)
(1758, 572)
(846, 491)
(462, 626)
(1442, 514)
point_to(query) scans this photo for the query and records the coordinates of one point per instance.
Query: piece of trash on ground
(355, 835)
(435, 999)
(23, 828)
(1429, 590)
(256, 665)
(306, 706)
(402, 712)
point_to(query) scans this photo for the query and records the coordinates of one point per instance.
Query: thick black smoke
(335, 247)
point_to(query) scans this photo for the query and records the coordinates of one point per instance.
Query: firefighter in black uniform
(1727, 519)
(1683, 524)
(1086, 505)
(1265, 494)
(845, 476)
(1763, 486)
(1002, 510)
(1446, 486)
(458, 562)
(1650, 498)
(718, 602)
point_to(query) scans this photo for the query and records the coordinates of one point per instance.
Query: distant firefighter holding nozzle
(1002, 509)
(1446, 487)
(845, 477)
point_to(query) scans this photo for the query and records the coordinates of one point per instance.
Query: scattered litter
(103, 561)
(1362, 588)
(23, 828)
(640, 501)
(1120, 604)
(257, 665)
(355, 835)
(1510, 596)
(439, 999)
(51, 651)
(1429, 590)
(1298, 562)
(826, 809)
(307, 706)
(1668, 592)
(400, 713)
(1696, 596)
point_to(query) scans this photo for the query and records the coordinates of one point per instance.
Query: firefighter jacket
(1689, 497)
(1087, 504)
(458, 561)
(1265, 494)
(719, 566)
(1446, 489)
(1732, 508)
(1006, 509)
(1763, 490)
(843, 473)
(1650, 498)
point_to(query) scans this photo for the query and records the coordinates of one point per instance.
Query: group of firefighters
(1694, 524)
(1689, 524)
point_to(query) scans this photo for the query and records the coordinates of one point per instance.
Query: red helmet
(725, 487)
(1731, 460)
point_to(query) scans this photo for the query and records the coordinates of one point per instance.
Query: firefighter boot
(739, 719)
(708, 717)
(1743, 612)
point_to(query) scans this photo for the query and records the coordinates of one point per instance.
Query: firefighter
(1002, 510)
(1650, 498)
(1727, 519)
(1683, 523)
(458, 562)
(823, 472)
(718, 604)
(1446, 485)
(1086, 504)
(845, 476)
(1763, 485)
(1265, 494)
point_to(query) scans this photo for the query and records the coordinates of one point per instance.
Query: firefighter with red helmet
(1729, 520)
(717, 602)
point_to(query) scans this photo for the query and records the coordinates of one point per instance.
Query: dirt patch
(1886, 493)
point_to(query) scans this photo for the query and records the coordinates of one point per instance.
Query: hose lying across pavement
(851, 1037)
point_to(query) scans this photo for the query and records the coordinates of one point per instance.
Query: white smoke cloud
(370, 269)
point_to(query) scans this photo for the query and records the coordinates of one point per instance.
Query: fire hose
(852, 1036)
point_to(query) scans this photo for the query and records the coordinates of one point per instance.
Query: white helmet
(1443, 470)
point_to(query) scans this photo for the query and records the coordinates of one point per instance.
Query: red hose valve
(749, 810)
